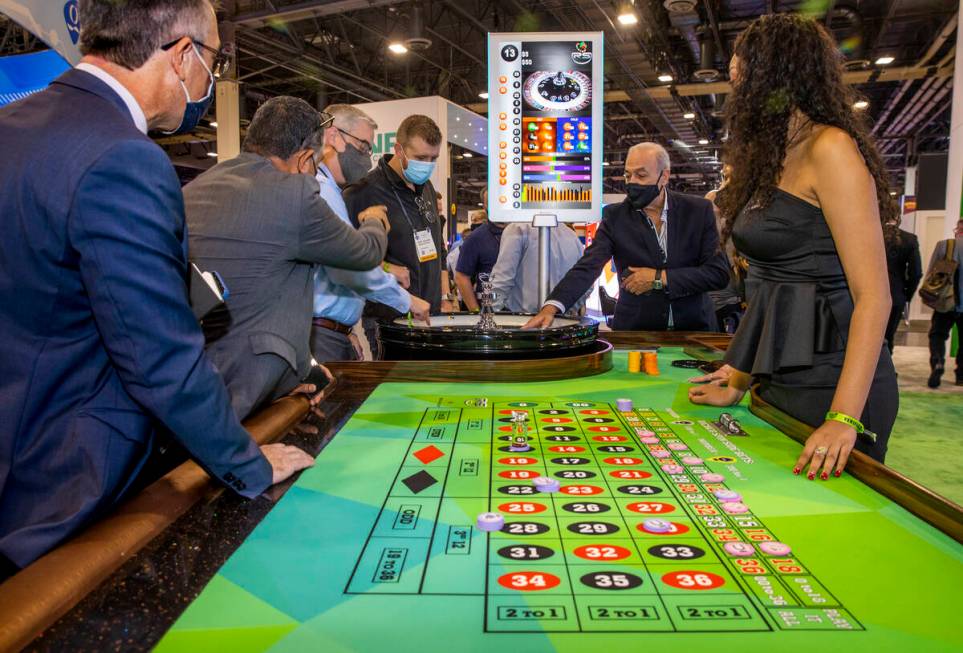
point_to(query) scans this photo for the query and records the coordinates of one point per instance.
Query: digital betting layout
(545, 109)
(641, 535)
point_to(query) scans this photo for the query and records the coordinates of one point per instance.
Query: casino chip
(661, 453)
(546, 484)
(490, 522)
(712, 478)
(691, 460)
(624, 405)
(727, 496)
(657, 525)
(735, 508)
(738, 549)
(777, 549)
(673, 469)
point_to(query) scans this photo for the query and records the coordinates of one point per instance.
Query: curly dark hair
(788, 62)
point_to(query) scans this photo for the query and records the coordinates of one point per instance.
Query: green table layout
(665, 532)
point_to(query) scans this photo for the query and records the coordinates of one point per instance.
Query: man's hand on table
(420, 310)
(286, 460)
(543, 319)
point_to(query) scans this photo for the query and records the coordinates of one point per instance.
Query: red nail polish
(825, 476)
(796, 470)
(839, 473)
(811, 475)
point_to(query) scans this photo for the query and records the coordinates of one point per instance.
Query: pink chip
(735, 508)
(677, 446)
(661, 453)
(644, 433)
(712, 478)
(738, 549)
(673, 469)
(692, 460)
(650, 440)
(775, 549)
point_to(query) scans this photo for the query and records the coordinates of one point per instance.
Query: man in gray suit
(259, 222)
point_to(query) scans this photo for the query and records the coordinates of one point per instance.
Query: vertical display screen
(545, 110)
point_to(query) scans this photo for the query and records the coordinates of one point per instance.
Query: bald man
(666, 250)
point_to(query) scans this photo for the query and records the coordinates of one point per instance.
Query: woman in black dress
(807, 204)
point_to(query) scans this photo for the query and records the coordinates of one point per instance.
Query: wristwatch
(657, 282)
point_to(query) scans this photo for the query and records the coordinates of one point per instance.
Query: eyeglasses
(365, 145)
(221, 62)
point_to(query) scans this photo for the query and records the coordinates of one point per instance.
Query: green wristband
(386, 266)
(845, 419)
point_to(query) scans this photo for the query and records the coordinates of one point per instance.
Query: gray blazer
(263, 231)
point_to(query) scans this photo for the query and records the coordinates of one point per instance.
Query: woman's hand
(715, 395)
(827, 450)
(720, 376)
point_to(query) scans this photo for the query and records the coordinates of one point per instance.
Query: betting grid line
(621, 515)
(558, 526)
(441, 498)
(735, 524)
(684, 503)
(384, 503)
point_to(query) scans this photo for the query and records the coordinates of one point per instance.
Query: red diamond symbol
(428, 454)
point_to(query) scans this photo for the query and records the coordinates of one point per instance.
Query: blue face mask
(418, 172)
(194, 111)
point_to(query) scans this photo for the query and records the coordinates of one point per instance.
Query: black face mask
(641, 195)
(354, 163)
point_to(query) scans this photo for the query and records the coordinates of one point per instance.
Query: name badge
(425, 246)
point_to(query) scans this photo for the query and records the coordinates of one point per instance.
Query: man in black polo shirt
(402, 183)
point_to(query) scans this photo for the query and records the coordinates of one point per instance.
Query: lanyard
(402, 205)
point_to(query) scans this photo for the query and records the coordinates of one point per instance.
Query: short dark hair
(282, 126)
(418, 125)
(127, 33)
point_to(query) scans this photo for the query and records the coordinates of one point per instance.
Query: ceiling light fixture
(689, 116)
(397, 47)
(468, 155)
(665, 78)
(213, 124)
(860, 105)
(885, 61)
(212, 154)
(483, 95)
(703, 141)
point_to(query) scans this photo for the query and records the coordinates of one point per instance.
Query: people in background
(515, 274)
(105, 358)
(258, 220)
(806, 204)
(339, 295)
(477, 257)
(905, 271)
(941, 323)
(666, 250)
(402, 182)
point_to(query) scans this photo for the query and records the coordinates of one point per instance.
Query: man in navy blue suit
(666, 251)
(101, 349)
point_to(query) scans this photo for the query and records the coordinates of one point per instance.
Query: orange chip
(503, 199)
(502, 79)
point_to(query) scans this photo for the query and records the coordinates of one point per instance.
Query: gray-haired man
(339, 295)
(666, 251)
(258, 221)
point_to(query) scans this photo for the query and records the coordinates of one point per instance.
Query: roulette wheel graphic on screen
(558, 91)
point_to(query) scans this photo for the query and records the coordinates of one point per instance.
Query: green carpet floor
(927, 442)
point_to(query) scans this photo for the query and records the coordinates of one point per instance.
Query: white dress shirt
(136, 113)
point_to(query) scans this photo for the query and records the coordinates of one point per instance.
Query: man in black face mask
(339, 295)
(666, 251)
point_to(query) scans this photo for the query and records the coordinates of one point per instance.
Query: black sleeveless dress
(793, 336)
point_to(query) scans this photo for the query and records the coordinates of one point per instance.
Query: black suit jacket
(904, 266)
(694, 265)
